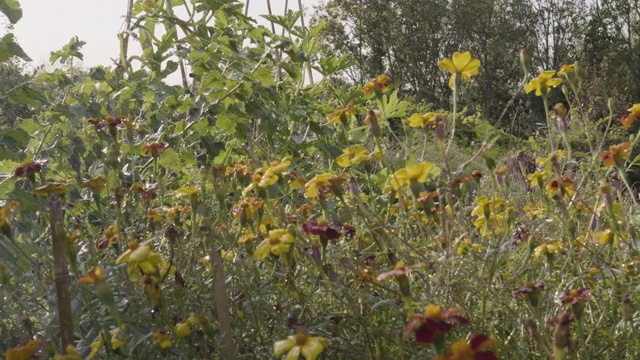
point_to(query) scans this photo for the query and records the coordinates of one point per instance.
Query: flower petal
(282, 346)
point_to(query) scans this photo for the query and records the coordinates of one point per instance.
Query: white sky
(47, 25)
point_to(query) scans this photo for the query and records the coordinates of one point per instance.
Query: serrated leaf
(26, 96)
(11, 9)
(29, 202)
(264, 76)
(171, 160)
(97, 73)
(10, 48)
(226, 123)
(15, 139)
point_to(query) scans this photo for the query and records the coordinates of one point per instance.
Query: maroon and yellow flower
(30, 167)
(530, 292)
(339, 116)
(434, 321)
(573, 296)
(331, 230)
(477, 348)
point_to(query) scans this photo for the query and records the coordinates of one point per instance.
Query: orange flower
(616, 154)
(154, 148)
(94, 276)
(634, 114)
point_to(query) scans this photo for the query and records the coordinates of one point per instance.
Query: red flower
(530, 292)
(331, 230)
(30, 167)
(433, 321)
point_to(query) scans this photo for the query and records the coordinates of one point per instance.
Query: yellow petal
(262, 250)
(293, 354)
(140, 254)
(314, 346)
(447, 64)
(282, 346)
(461, 60)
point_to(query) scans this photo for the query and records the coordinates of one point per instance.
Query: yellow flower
(182, 329)
(609, 236)
(117, 338)
(23, 352)
(309, 347)
(567, 69)
(267, 176)
(188, 191)
(140, 258)
(460, 64)
(320, 186)
(415, 173)
(422, 120)
(96, 346)
(381, 84)
(542, 83)
(162, 339)
(96, 184)
(51, 188)
(276, 243)
(353, 156)
(70, 353)
(548, 248)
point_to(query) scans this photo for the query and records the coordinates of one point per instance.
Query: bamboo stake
(310, 71)
(183, 72)
(221, 299)
(61, 271)
(278, 52)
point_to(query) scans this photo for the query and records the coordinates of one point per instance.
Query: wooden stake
(61, 271)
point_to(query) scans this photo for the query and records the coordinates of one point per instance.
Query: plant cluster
(255, 214)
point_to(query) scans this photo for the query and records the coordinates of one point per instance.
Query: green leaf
(10, 48)
(12, 142)
(27, 96)
(11, 9)
(171, 160)
(226, 123)
(264, 76)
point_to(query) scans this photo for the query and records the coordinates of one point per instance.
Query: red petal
(487, 355)
(477, 340)
(425, 334)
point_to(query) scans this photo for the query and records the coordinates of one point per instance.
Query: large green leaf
(11, 9)
(10, 48)
(27, 96)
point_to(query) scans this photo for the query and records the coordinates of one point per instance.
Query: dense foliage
(251, 212)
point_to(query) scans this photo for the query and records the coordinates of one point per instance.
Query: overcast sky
(47, 25)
